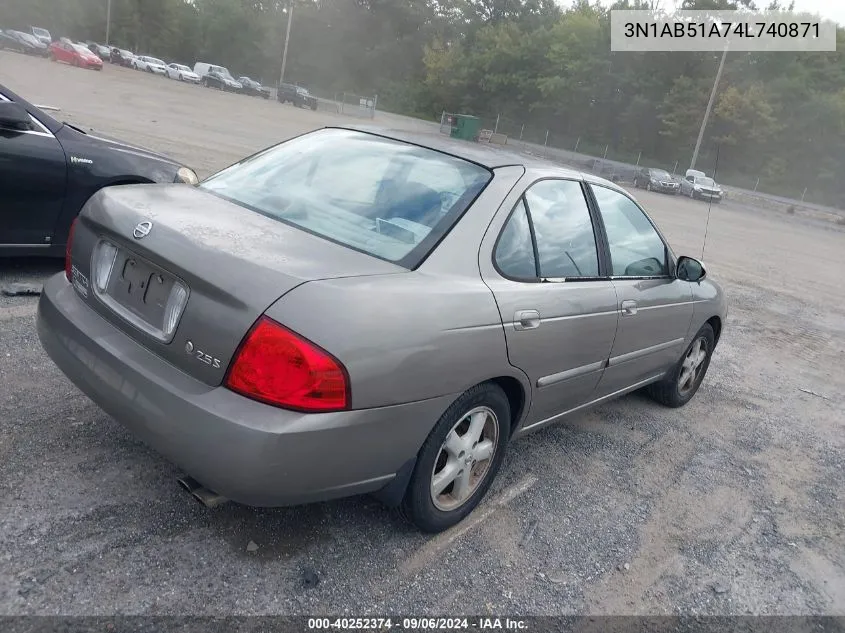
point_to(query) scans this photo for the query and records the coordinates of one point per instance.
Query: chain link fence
(599, 156)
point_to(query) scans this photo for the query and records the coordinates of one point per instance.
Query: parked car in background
(43, 35)
(701, 188)
(656, 180)
(26, 43)
(149, 64)
(180, 72)
(49, 169)
(121, 56)
(228, 371)
(100, 50)
(253, 88)
(213, 76)
(75, 55)
(10, 43)
(297, 95)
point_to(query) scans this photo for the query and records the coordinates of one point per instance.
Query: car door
(655, 309)
(33, 179)
(557, 306)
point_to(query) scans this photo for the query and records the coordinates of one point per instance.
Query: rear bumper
(247, 451)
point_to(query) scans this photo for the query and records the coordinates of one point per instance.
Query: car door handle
(526, 320)
(629, 308)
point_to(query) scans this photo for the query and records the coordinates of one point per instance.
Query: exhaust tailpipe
(206, 497)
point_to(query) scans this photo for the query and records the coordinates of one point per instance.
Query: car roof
(489, 156)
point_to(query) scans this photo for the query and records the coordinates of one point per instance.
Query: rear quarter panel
(418, 334)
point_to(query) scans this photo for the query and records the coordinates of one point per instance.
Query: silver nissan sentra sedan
(354, 311)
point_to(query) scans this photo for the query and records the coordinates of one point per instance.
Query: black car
(48, 170)
(24, 43)
(656, 180)
(297, 95)
(253, 88)
(120, 56)
(217, 78)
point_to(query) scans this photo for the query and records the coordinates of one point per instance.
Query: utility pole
(287, 38)
(108, 20)
(709, 107)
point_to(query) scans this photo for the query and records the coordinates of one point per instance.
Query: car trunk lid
(233, 263)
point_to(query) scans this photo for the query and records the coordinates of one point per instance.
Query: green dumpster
(465, 126)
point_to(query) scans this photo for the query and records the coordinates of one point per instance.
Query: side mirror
(689, 269)
(14, 115)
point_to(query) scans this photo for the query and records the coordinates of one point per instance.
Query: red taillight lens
(69, 249)
(278, 367)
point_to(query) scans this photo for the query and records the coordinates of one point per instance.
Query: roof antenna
(710, 203)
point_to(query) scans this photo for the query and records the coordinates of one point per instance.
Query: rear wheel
(680, 384)
(459, 459)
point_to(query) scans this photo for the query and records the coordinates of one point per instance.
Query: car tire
(682, 382)
(488, 407)
(149, 70)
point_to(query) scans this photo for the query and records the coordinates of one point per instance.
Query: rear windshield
(383, 197)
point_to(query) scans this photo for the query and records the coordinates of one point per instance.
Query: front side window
(514, 254)
(566, 243)
(636, 249)
(356, 189)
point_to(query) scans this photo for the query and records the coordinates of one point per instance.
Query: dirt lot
(731, 505)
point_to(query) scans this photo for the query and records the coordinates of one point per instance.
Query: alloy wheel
(692, 365)
(464, 458)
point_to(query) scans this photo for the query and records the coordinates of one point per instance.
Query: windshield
(707, 182)
(40, 32)
(302, 91)
(181, 67)
(379, 196)
(126, 53)
(659, 173)
(27, 38)
(153, 60)
(80, 49)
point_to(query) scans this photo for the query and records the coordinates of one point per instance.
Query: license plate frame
(138, 291)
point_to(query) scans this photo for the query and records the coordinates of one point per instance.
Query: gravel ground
(731, 505)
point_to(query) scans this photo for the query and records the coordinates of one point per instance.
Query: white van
(201, 69)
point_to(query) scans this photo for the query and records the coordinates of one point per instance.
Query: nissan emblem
(142, 230)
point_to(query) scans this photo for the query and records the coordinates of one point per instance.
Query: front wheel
(681, 383)
(459, 459)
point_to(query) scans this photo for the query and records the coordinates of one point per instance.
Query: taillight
(68, 249)
(278, 367)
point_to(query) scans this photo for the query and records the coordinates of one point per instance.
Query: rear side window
(383, 197)
(514, 255)
(566, 243)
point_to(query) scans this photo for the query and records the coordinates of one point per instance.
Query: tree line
(778, 117)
